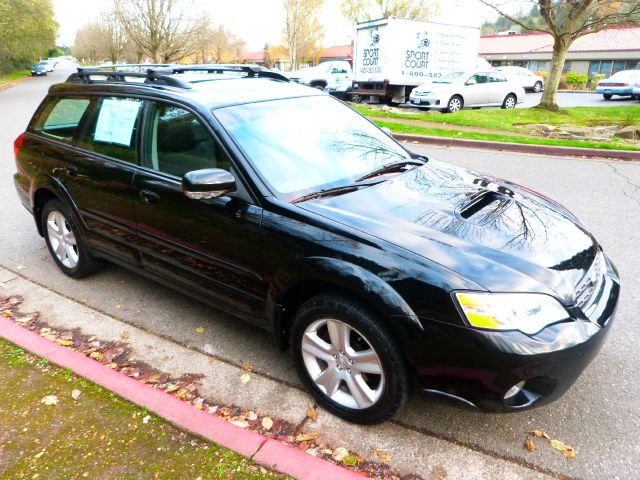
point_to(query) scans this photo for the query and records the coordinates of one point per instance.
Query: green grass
(14, 76)
(99, 435)
(512, 120)
(497, 137)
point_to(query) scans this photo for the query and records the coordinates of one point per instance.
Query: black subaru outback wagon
(382, 270)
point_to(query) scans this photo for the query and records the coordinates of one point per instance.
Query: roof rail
(249, 70)
(84, 75)
(162, 74)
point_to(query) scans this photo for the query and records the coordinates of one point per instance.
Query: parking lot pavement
(600, 415)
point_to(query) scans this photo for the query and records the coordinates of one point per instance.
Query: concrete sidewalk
(412, 452)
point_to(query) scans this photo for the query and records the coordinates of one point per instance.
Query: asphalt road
(600, 415)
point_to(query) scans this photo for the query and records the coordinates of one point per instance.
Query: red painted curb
(300, 464)
(284, 458)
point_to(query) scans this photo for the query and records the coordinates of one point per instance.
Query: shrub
(576, 81)
(593, 83)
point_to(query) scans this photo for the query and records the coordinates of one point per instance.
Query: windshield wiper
(330, 192)
(393, 167)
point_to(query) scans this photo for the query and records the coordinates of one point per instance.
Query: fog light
(513, 391)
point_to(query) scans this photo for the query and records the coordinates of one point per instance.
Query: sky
(260, 21)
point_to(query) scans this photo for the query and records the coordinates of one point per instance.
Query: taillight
(17, 144)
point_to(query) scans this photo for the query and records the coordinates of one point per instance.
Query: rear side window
(111, 128)
(60, 117)
(496, 77)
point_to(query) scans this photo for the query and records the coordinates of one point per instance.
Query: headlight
(527, 312)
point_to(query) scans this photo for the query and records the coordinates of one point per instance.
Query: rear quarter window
(59, 117)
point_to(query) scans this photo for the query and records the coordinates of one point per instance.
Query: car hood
(499, 235)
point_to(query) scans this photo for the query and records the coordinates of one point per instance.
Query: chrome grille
(588, 286)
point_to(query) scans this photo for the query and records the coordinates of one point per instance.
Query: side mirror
(471, 81)
(387, 130)
(207, 183)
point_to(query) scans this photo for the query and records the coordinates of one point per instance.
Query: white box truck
(393, 55)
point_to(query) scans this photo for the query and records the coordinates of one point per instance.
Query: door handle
(149, 197)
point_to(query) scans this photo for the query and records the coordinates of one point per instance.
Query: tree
(302, 34)
(27, 31)
(358, 11)
(566, 21)
(266, 56)
(102, 39)
(161, 29)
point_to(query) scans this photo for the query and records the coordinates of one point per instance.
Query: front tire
(349, 359)
(607, 96)
(454, 104)
(509, 101)
(65, 244)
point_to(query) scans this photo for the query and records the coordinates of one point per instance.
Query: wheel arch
(52, 190)
(315, 275)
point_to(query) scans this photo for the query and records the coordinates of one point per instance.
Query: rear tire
(607, 96)
(537, 87)
(349, 359)
(65, 244)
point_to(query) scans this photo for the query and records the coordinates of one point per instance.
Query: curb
(520, 147)
(269, 452)
(13, 83)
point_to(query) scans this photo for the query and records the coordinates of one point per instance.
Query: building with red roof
(606, 52)
(340, 52)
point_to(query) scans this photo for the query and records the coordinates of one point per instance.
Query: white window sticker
(116, 121)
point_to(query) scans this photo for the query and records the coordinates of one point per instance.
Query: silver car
(470, 89)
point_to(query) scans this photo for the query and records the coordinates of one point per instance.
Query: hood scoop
(484, 206)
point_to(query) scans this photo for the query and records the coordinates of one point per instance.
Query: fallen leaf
(385, 456)
(21, 267)
(91, 338)
(200, 330)
(6, 314)
(312, 413)
(312, 451)
(569, 452)
(557, 444)
(267, 423)
(171, 388)
(64, 343)
(124, 335)
(96, 355)
(339, 453)
(540, 433)
(305, 437)
(118, 307)
(245, 377)
(49, 400)
(23, 319)
(529, 445)
(251, 415)
(75, 393)
(247, 367)
(240, 423)
(350, 460)
(38, 455)
(146, 419)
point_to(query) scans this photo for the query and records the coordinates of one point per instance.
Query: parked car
(468, 89)
(529, 80)
(636, 90)
(47, 65)
(326, 75)
(620, 83)
(381, 269)
(38, 70)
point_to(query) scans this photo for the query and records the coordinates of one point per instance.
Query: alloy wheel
(62, 239)
(342, 363)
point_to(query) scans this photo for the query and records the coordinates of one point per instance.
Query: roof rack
(162, 74)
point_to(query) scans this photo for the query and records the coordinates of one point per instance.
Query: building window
(567, 66)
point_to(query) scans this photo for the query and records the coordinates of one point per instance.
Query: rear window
(60, 117)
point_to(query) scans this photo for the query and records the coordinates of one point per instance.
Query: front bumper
(479, 367)
(427, 100)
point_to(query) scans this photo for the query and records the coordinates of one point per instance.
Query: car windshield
(449, 78)
(307, 144)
